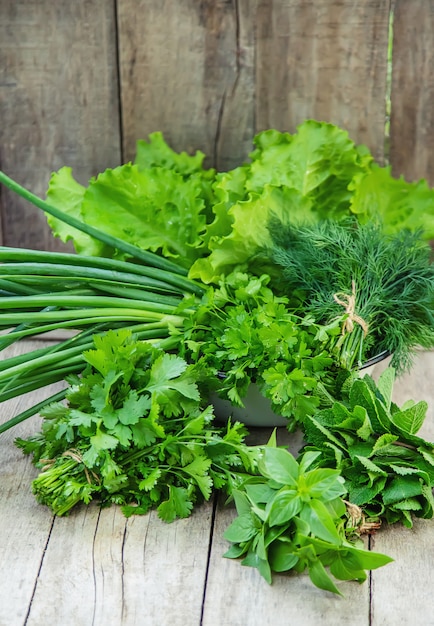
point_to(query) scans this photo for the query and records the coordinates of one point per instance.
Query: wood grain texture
(240, 596)
(96, 567)
(323, 59)
(25, 526)
(102, 568)
(402, 591)
(412, 116)
(187, 70)
(58, 102)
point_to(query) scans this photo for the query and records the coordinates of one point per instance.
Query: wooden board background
(81, 81)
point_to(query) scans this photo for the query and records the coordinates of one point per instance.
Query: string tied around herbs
(349, 302)
(78, 458)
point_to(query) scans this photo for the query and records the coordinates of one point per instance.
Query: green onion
(44, 291)
(147, 257)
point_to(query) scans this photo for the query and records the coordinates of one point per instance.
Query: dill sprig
(382, 286)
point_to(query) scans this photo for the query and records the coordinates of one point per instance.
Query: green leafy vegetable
(291, 516)
(242, 333)
(388, 469)
(398, 204)
(160, 203)
(88, 295)
(381, 285)
(134, 432)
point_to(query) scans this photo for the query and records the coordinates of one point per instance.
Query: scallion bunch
(48, 291)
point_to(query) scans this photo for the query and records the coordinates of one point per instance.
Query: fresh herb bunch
(134, 431)
(388, 469)
(292, 516)
(382, 286)
(244, 334)
(87, 295)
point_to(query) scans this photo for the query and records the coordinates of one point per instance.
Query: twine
(75, 454)
(349, 302)
(357, 519)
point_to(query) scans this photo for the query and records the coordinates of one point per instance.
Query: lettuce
(159, 203)
(210, 223)
(397, 203)
(297, 178)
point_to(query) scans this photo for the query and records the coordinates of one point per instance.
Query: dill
(381, 285)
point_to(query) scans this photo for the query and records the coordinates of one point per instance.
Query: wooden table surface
(97, 568)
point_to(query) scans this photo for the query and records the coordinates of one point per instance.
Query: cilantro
(134, 431)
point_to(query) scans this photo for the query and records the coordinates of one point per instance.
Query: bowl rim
(376, 359)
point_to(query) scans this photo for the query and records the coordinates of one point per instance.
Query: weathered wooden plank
(187, 70)
(238, 595)
(25, 526)
(412, 116)
(166, 583)
(323, 59)
(58, 102)
(105, 569)
(402, 591)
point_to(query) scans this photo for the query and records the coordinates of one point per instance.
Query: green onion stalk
(42, 292)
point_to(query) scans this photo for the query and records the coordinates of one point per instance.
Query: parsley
(243, 333)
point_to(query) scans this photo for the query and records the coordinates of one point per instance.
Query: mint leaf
(411, 419)
(402, 488)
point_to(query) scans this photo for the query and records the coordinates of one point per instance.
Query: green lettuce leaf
(248, 230)
(397, 203)
(155, 209)
(296, 178)
(319, 160)
(156, 153)
(65, 193)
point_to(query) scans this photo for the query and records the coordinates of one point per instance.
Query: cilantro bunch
(134, 431)
(243, 334)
